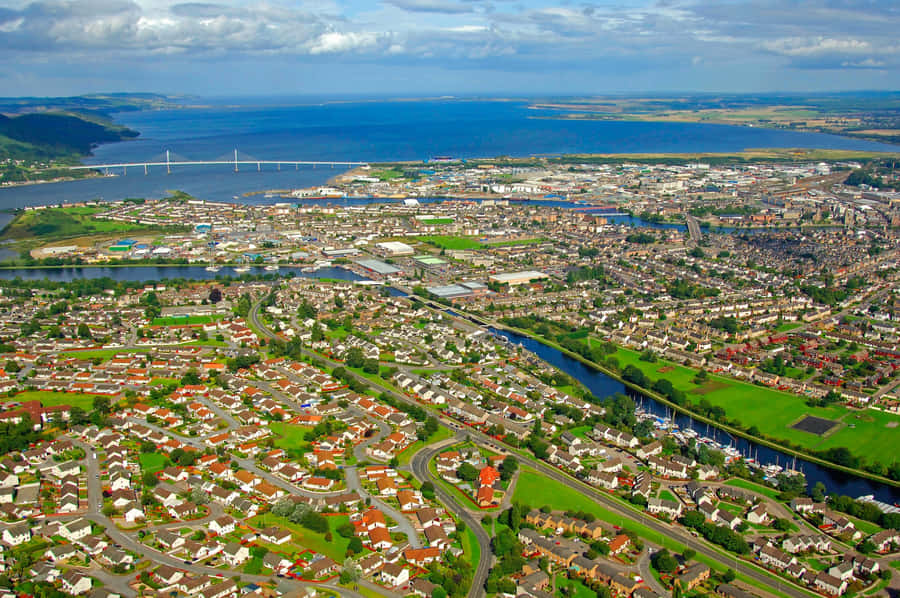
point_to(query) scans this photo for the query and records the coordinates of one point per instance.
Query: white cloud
(337, 42)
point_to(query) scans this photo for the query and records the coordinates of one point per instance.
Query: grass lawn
(471, 547)
(441, 434)
(185, 320)
(254, 566)
(748, 485)
(581, 431)
(867, 527)
(162, 381)
(452, 242)
(153, 462)
(773, 411)
(666, 495)
(102, 354)
(336, 548)
(579, 589)
(788, 326)
(290, 436)
(49, 398)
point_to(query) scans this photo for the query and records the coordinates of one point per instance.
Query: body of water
(153, 273)
(373, 131)
(603, 386)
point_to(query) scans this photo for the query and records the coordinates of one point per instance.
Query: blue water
(603, 386)
(154, 273)
(372, 131)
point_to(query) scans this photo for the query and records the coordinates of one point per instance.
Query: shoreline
(702, 418)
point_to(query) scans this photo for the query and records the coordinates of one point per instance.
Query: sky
(441, 47)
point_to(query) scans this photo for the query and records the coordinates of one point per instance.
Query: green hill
(49, 135)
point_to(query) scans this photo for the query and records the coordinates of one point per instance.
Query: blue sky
(430, 47)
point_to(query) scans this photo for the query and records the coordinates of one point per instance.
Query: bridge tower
(168, 165)
(235, 160)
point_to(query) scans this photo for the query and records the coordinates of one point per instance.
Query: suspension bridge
(170, 161)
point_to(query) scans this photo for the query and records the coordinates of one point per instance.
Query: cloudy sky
(425, 47)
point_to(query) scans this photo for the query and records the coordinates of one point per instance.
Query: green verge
(537, 490)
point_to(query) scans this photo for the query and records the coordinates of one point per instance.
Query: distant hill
(40, 136)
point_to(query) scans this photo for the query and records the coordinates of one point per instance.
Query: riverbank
(699, 417)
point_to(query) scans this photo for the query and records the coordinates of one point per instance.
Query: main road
(618, 508)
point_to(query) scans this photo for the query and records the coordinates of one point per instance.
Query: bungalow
(75, 583)
(235, 554)
(394, 575)
(275, 535)
(222, 525)
(422, 556)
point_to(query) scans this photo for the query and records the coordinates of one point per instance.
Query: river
(154, 273)
(603, 386)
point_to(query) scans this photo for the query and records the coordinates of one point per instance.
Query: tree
(818, 492)
(84, 331)
(12, 366)
(149, 479)
(355, 546)
(689, 554)
(663, 561)
(215, 295)
(508, 467)
(729, 575)
(351, 570)
(467, 472)
(101, 404)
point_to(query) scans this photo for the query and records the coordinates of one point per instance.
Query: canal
(603, 386)
(155, 273)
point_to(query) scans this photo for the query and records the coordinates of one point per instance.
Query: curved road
(419, 466)
(618, 508)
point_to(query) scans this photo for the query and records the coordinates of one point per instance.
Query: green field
(185, 320)
(452, 242)
(51, 399)
(102, 354)
(460, 243)
(290, 436)
(773, 411)
(153, 462)
(60, 223)
(336, 548)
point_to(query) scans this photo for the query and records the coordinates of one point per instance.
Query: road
(95, 494)
(680, 534)
(419, 466)
(693, 228)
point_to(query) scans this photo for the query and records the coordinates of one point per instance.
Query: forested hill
(50, 135)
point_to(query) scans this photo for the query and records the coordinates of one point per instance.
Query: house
(222, 525)
(235, 554)
(843, 570)
(16, 534)
(693, 576)
(322, 566)
(829, 584)
(669, 508)
(275, 535)
(75, 583)
(393, 575)
(775, 559)
(759, 515)
(619, 544)
(422, 556)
